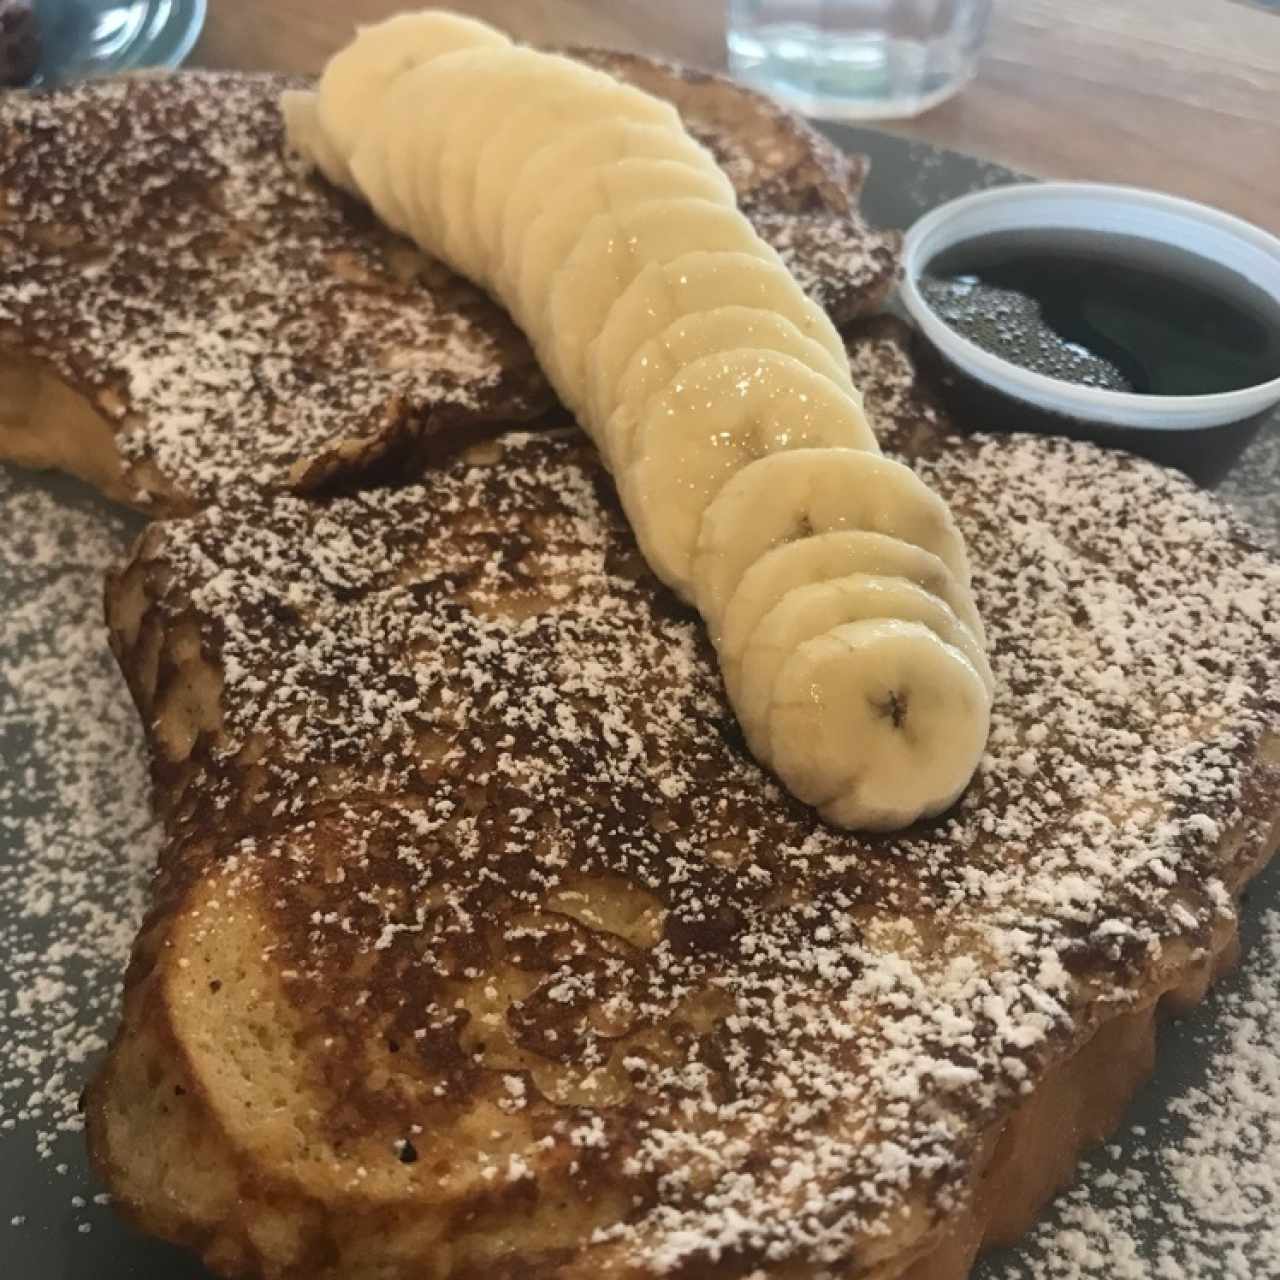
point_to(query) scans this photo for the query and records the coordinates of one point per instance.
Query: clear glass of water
(857, 59)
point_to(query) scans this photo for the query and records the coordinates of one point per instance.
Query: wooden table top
(1180, 95)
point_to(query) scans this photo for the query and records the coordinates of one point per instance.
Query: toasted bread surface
(480, 943)
(226, 319)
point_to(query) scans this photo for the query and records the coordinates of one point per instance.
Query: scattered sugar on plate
(1196, 1198)
(76, 836)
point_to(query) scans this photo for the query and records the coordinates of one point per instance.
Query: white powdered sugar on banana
(596, 190)
(718, 394)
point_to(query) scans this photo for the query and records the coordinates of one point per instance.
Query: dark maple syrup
(1115, 312)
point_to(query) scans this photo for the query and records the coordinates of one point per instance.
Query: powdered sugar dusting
(531, 709)
(54, 553)
(1196, 1198)
(77, 841)
(839, 261)
(230, 316)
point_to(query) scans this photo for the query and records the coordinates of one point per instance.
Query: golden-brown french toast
(184, 311)
(481, 945)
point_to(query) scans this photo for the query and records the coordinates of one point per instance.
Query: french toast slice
(185, 312)
(480, 944)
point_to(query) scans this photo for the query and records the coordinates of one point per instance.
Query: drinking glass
(82, 38)
(857, 59)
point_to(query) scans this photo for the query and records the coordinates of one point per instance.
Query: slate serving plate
(906, 180)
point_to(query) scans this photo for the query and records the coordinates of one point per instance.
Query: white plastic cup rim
(1099, 208)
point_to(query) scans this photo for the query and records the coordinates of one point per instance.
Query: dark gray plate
(906, 180)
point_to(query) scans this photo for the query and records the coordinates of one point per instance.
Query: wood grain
(1180, 95)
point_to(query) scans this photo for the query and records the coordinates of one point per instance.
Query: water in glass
(857, 59)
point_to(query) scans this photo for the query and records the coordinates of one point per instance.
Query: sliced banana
(877, 723)
(560, 158)
(538, 119)
(396, 160)
(817, 559)
(812, 611)
(606, 189)
(304, 137)
(355, 80)
(835, 585)
(693, 337)
(613, 250)
(514, 79)
(792, 495)
(721, 412)
(699, 281)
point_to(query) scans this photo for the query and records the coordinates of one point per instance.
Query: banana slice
(304, 137)
(817, 559)
(702, 281)
(396, 160)
(355, 80)
(613, 250)
(791, 495)
(513, 142)
(605, 189)
(559, 159)
(814, 610)
(721, 412)
(877, 724)
(692, 337)
(520, 77)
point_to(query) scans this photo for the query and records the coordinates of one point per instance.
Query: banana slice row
(834, 583)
